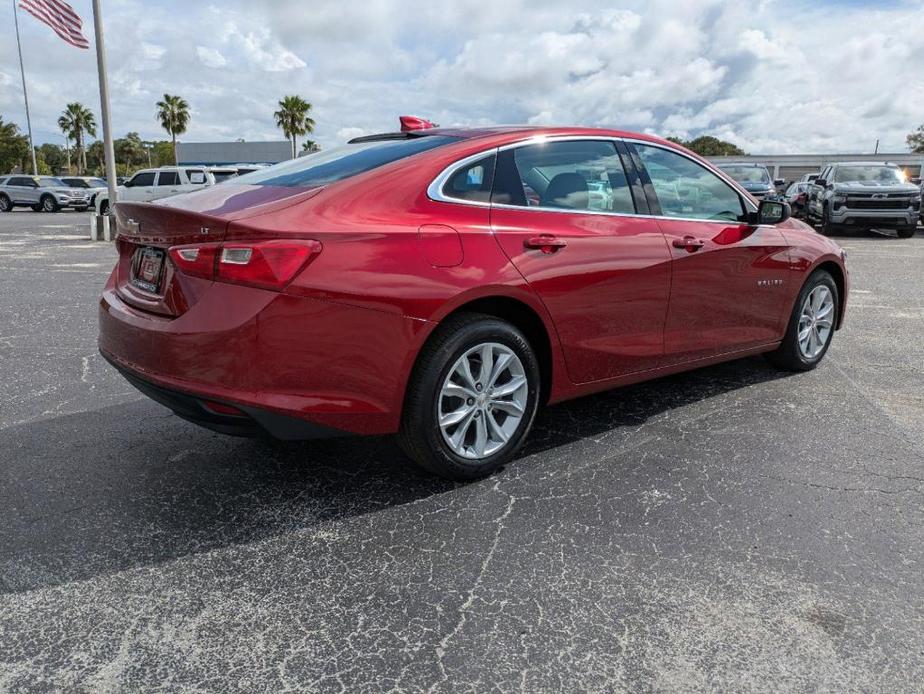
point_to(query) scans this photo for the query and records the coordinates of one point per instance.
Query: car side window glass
(472, 182)
(688, 190)
(143, 179)
(195, 176)
(584, 175)
(168, 178)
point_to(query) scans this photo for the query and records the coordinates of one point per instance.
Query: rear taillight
(264, 264)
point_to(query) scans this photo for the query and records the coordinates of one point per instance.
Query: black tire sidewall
(429, 381)
(6, 205)
(44, 204)
(791, 341)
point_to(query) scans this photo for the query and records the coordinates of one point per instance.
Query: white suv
(152, 184)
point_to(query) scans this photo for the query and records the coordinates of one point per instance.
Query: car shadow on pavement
(133, 485)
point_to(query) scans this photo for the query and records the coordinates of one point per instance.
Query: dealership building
(225, 153)
(791, 167)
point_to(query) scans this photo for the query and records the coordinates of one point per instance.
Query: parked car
(797, 196)
(755, 178)
(405, 283)
(41, 193)
(92, 184)
(808, 178)
(864, 195)
(153, 184)
(223, 173)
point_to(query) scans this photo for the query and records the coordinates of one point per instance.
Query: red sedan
(441, 284)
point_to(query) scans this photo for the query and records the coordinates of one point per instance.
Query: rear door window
(472, 182)
(168, 178)
(688, 190)
(579, 175)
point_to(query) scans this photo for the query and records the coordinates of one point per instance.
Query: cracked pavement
(732, 528)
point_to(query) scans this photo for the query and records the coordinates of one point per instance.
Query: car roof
(866, 163)
(499, 135)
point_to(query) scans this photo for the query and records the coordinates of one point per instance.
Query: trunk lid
(146, 278)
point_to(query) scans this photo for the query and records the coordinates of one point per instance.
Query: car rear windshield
(748, 174)
(877, 174)
(329, 166)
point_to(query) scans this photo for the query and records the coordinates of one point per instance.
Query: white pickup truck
(152, 184)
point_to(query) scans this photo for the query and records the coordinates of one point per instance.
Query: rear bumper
(256, 422)
(281, 359)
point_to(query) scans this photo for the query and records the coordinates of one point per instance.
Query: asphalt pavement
(733, 528)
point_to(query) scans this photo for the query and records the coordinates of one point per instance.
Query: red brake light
(269, 264)
(198, 261)
(264, 264)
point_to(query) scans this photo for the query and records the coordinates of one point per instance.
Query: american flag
(59, 16)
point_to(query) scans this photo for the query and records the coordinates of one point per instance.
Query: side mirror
(821, 183)
(128, 183)
(779, 182)
(771, 212)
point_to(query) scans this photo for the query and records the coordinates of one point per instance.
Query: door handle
(546, 243)
(688, 243)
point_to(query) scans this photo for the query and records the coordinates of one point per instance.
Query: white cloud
(210, 57)
(836, 79)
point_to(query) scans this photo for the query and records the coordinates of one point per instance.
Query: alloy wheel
(48, 205)
(482, 401)
(816, 321)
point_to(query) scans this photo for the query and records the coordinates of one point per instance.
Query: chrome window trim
(435, 189)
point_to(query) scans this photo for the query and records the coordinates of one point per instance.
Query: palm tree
(62, 123)
(76, 120)
(293, 118)
(173, 114)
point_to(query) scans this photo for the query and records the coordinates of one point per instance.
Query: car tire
(827, 228)
(464, 425)
(48, 204)
(816, 311)
(907, 232)
(6, 205)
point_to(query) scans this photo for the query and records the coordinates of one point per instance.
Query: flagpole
(104, 103)
(25, 95)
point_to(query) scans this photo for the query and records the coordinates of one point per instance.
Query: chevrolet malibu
(442, 284)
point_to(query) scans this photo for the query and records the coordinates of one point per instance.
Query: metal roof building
(792, 167)
(223, 153)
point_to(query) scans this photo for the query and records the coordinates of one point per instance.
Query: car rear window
(332, 165)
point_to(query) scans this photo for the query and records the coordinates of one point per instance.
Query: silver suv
(41, 193)
(865, 195)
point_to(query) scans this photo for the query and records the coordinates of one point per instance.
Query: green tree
(310, 146)
(76, 120)
(14, 147)
(162, 153)
(130, 150)
(916, 140)
(292, 117)
(62, 123)
(709, 146)
(173, 114)
(54, 156)
(96, 157)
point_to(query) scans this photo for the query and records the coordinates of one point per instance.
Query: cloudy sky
(770, 75)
